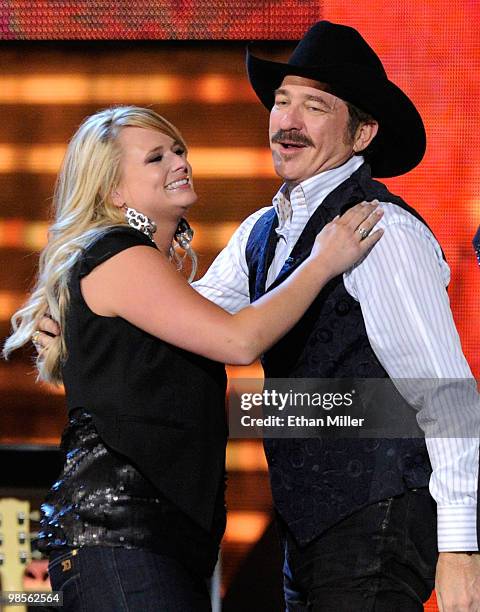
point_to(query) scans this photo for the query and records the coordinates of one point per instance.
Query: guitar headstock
(15, 542)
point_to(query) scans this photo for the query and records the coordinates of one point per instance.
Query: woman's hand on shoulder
(348, 238)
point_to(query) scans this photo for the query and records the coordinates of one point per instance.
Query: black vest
(316, 482)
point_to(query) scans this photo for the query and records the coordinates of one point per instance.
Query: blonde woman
(136, 517)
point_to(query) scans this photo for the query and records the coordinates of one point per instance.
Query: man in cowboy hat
(358, 523)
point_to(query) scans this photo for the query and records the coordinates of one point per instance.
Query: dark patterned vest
(317, 482)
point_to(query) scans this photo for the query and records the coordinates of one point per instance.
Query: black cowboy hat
(338, 56)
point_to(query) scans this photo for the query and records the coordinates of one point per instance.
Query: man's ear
(366, 132)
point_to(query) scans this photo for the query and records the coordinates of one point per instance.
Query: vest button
(342, 308)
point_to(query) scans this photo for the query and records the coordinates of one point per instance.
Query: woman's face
(156, 178)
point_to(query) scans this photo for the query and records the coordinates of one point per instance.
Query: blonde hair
(82, 211)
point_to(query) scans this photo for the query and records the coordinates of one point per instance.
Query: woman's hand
(45, 334)
(346, 239)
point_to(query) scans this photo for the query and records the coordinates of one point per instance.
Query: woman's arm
(141, 286)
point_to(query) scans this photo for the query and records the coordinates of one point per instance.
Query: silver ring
(35, 342)
(363, 232)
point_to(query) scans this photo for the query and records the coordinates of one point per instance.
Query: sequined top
(145, 443)
(99, 498)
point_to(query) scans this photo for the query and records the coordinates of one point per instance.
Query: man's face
(308, 130)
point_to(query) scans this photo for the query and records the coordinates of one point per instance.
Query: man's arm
(401, 289)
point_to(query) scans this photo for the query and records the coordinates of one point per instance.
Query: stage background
(186, 59)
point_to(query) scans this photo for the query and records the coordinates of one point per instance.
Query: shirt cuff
(457, 528)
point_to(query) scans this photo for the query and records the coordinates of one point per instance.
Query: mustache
(293, 136)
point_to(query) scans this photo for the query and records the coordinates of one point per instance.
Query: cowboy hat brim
(400, 143)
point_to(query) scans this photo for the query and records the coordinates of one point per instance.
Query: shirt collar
(314, 190)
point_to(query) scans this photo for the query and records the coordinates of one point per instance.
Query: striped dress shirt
(400, 286)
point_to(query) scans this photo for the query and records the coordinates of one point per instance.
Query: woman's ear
(117, 198)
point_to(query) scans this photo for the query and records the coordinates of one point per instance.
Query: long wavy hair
(82, 211)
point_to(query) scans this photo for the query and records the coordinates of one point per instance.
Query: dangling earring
(139, 221)
(183, 234)
(183, 237)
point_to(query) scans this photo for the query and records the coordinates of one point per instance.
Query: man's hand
(47, 330)
(457, 582)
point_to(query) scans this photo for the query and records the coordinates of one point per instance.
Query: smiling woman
(156, 175)
(140, 500)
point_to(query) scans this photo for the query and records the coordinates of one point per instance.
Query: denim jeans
(380, 559)
(114, 579)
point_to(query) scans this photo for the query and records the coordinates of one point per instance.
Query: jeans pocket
(421, 533)
(64, 572)
(57, 556)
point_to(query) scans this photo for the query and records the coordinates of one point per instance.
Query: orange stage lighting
(32, 235)
(208, 162)
(245, 527)
(109, 89)
(246, 456)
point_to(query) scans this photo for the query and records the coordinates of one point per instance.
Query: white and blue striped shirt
(401, 289)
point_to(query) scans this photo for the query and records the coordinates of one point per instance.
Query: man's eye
(315, 108)
(280, 102)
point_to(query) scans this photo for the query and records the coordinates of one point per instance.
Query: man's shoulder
(254, 217)
(406, 233)
(239, 238)
(396, 216)
(393, 213)
(247, 224)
